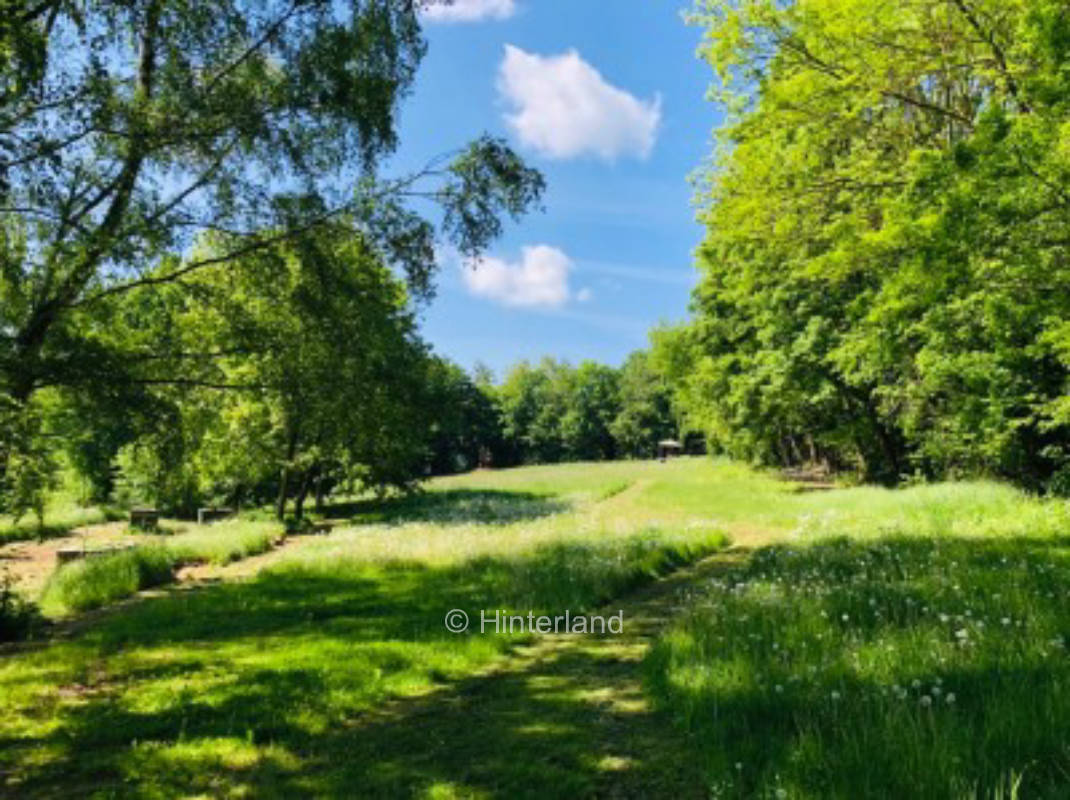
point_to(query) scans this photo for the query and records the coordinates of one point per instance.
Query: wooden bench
(67, 554)
(146, 519)
(206, 515)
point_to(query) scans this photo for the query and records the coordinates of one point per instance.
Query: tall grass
(567, 575)
(905, 667)
(97, 581)
(974, 509)
(223, 542)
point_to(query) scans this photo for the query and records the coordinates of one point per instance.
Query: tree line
(208, 285)
(886, 271)
(552, 411)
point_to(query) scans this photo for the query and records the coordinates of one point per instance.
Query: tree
(592, 403)
(885, 269)
(464, 422)
(327, 381)
(128, 130)
(645, 415)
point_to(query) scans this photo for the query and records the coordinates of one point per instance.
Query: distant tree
(592, 403)
(645, 415)
(464, 422)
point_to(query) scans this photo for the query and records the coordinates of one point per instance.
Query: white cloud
(539, 280)
(584, 295)
(469, 10)
(562, 107)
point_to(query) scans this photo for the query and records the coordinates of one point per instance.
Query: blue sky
(606, 98)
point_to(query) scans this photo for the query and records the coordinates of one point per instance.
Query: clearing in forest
(777, 643)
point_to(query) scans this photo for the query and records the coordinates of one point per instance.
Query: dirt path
(570, 707)
(31, 562)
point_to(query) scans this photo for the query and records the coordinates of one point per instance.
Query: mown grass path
(563, 716)
(324, 669)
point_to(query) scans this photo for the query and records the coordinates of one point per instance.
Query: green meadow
(778, 642)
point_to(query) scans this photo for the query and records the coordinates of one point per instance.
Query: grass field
(852, 643)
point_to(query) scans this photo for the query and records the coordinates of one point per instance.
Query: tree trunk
(319, 493)
(284, 476)
(302, 493)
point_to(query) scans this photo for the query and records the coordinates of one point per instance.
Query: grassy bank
(99, 580)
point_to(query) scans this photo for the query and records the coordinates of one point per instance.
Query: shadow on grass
(288, 685)
(451, 506)
(903, 667)
(572, 725)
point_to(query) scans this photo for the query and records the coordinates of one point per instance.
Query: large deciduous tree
(129, 129)
(886, 277)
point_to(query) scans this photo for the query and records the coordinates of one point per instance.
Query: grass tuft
(99, 580)
(223, 542)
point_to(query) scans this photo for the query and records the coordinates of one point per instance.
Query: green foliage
(465, 428)
(555, 412)
(224, 132)
(19, 617)
(885, 271)
(290, 405)
(645, 416)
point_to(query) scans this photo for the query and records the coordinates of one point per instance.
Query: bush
(94, 582)
(1059, 485)
(18, 616)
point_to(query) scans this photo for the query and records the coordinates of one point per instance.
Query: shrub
(18, 616)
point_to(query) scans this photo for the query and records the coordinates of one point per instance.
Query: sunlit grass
(245, 685)
(288, 683)
(919, 667)
(62, 516)
(97, 580)
(222, 542)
